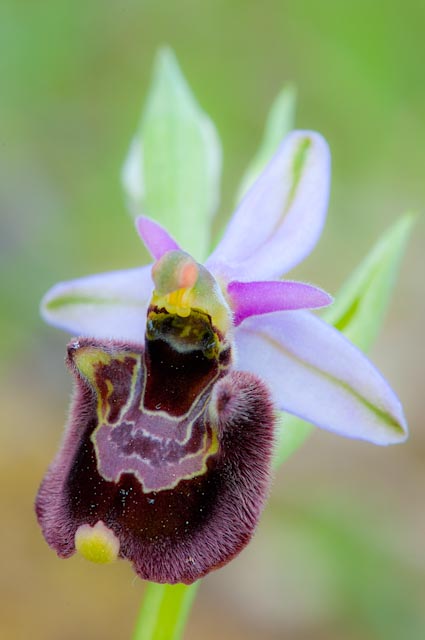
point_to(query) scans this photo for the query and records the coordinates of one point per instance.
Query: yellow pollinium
(178, 302)
(98, 544)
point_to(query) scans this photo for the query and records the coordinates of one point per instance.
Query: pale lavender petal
(318, 375)
(281, 217)
(108, 305)
(155, 238)
(255, 298)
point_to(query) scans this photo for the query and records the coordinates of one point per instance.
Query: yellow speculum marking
(88, 359)
(98, 544)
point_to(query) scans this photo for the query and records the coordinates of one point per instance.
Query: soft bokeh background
(340, 553)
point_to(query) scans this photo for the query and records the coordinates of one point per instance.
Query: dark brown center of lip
(182, 357)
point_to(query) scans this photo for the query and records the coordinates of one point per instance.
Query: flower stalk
(164, 611)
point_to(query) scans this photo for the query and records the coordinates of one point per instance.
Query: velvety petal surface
(281, 217)
(316, 374)
(155, 238)
(255, 298)
(106, 305)
(177, 496)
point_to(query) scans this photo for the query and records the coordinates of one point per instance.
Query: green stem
(164, 611)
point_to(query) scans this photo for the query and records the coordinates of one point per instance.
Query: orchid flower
(179, 370)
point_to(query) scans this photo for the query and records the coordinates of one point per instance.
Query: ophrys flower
(167, 456)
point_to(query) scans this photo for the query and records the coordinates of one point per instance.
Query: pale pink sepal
(318, 375)
(281, 217)
(107, 305)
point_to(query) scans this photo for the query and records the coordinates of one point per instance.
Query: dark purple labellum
(166, 458)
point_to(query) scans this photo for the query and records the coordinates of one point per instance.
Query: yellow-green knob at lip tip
(98, 544)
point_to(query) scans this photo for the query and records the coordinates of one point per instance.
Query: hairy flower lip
(204, 518)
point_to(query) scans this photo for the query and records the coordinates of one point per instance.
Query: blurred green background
(340, 551)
